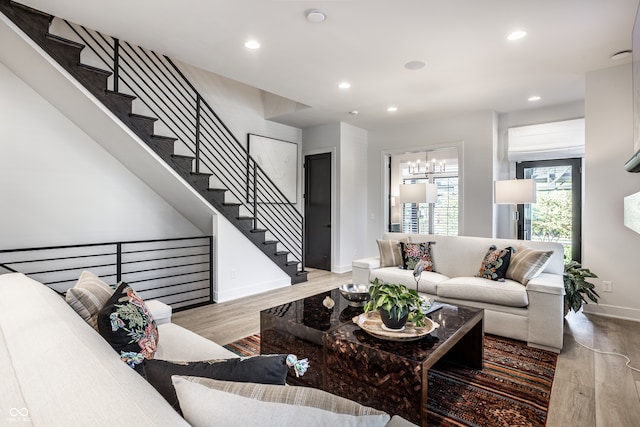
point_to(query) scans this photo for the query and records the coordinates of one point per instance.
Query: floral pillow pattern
(126, 323)
(414, 252)
(495, 263)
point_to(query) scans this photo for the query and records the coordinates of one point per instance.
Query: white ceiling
(470, 65)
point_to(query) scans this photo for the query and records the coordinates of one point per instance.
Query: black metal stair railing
(157, 82)
(176, 271)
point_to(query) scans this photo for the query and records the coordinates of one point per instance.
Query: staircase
(202, 150)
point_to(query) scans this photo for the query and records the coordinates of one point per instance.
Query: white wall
(609, 248)
(58, 186)
(348, 146)
(476, 137)
(353, 196)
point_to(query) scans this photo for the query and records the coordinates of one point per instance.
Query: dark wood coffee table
(345, 360)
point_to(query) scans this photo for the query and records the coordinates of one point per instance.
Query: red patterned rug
(513, 389)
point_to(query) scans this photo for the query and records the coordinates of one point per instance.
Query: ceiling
(470, 64)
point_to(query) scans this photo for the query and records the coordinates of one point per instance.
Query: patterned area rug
(513, 389)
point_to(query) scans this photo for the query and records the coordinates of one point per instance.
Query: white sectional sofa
(531, 313)
(56, 370)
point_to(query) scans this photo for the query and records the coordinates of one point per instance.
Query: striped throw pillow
(527, 263)
(88, 296)
(390, 255)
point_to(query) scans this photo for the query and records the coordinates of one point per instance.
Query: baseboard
(253, 289)
(341, 269)
(617, 312)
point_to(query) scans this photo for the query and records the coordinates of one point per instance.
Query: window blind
(557, 140)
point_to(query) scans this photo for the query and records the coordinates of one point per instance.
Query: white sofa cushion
(67, 373)
(508, 293)
(178, 344)
(428, 280)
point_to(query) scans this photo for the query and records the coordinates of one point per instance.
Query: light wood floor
(589, 389)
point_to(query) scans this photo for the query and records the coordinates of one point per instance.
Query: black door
(317, 211)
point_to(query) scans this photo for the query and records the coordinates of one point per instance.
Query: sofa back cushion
(460, 256)
(62, 361)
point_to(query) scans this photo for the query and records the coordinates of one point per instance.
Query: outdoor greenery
(552, 220)
(385, 296)
(552, 215)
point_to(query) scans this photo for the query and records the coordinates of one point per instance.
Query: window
(445, 215)
(439, 167)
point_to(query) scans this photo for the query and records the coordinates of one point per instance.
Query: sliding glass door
(556, 216)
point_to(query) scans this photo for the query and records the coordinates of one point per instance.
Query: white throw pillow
(203, 404)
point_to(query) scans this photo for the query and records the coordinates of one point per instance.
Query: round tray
(371, 323)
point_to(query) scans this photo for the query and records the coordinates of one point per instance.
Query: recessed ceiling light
(315, 16)
(516, 35)
(252, 44)
(392, 109)
(620, 55)
(534, 98)
(354, 112)
(344, 85)
(414, 65)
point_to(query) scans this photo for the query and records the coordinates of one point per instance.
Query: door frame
(334, 225)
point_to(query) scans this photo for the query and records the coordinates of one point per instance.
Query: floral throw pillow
(126, 323)
(495, 263)
(414, 252)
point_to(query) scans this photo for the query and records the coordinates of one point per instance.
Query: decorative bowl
(356, 295)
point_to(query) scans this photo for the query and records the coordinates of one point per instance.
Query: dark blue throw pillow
(266, 369)
(126, 323)
(495, 263)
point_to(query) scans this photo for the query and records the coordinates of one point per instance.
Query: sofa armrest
(547, 283)
(546, 312)
(160, 311)
(361, 269)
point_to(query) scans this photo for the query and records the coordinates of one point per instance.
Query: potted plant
(397, 304)
(576, 287)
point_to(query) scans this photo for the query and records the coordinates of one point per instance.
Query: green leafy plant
(386, 296)
(576, 286)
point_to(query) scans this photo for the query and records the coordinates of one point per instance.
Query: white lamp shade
(413, 193)
(432, 193)
(514, 191)
(418, 193)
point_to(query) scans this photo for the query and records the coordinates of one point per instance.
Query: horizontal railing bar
(161, 259)
(165, 249)
(90, 245)
(61, 258)
(168, 286)
(60, 270)
(165, 268)
(6, 267)
(169, 276)
(181, 293)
